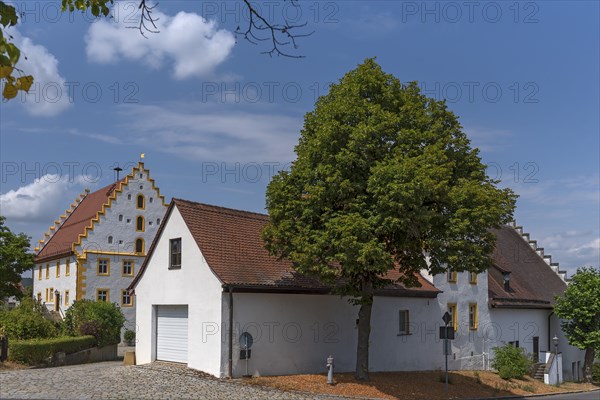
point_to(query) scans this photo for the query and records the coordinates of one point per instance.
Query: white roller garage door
(172, 333)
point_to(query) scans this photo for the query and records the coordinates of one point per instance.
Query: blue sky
(215, 117)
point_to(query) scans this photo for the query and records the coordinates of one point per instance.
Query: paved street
(595, 395)
(112, 380)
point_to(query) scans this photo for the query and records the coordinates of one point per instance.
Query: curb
(534, 395)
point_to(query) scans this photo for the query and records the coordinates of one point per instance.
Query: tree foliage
(511, 362)
(26, 321)
(579, 308)
(384, 177)
(100, 319)
(14, 260)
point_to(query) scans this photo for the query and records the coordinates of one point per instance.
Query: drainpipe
(230, 366)
(549, 329)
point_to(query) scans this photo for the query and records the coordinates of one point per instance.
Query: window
(110, 240)
(157, 221)
(39, 297)
(127, 268)
(141, 202)
(139, 224)
(473, 278)
(175, 258)
(151, 200)
(46, 295)
(128, 220)
(126, 299)
(47, 270)
(514, 344)
(40, 272)
(403, 322)
(58, 269)
(141, 187)
(51, 295)
(473, 316)
(452, 309)
(66, 297)
(102, 295)
(67, 267)
(103, 267)
(129, 196)
(150, 223)
(139, 245)
(120, 217)
(451, 276)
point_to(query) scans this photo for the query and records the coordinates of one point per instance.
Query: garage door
(172, 333)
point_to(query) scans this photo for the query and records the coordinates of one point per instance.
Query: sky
(216, 118)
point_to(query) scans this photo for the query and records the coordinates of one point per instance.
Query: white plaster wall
(62, 283)
(469, 346)
(570, 354)
(294, 333)
(194, 285)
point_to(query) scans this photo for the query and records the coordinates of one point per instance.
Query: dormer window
(507, 281)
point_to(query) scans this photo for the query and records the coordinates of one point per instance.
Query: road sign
(447, 318)
(447, 332)
(246, 340)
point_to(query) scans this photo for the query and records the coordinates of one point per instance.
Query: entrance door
(536, 348)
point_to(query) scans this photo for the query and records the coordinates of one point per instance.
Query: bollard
(330, 370)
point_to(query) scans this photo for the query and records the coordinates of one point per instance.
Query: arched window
(141, 202)
(139, 245)
(139, 224)
(120, 217)
(110, 240)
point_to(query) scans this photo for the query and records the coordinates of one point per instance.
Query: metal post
(246, 349)
(446, 356)
(330, 370)
(557, 372)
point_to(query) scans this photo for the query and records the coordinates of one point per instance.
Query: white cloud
(39, 200)
(48, 95)
(195, 46)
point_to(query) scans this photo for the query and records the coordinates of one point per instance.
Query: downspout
(230, 365)
(549, 335)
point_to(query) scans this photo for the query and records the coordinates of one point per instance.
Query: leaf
(5, 71)
(25, 82)
(13, 53)
(10, 91)
(8, 15)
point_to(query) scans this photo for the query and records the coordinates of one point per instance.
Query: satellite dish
(246, 340)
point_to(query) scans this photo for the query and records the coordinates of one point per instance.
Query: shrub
(510, 362)
(596, 373)
(129, 335)
(101, 319)
(35, 351)
(27, 321)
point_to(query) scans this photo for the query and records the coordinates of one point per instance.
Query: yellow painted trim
(107, 267)
(68, 266)
(107, 253)
(123, 267)
(453, 277)
(130, 297)
(47, 270)
(80, 284)
(46, 295)
(454, 314)
(66, 296)
(475, 316)
(113, 196)
(137, 223)
(107, 294)
(39, 272)
(137, 202)
(58, 268)
(51, 301)
(474, 276)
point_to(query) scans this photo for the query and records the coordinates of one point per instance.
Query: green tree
(257, 29)
(579, 307)
(384, 177)
(14, 260)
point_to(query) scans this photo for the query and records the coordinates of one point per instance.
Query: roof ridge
(224, 210)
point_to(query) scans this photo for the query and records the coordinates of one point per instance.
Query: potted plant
(129, 337)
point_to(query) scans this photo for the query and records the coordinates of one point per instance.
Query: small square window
(150, 223)
(103, 266)
(129, 196)
(141, 187)
(120, 242)
(102, 295)
(128, 220)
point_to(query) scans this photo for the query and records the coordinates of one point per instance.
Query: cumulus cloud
(193, 45)
(48, 95)
(38, 201)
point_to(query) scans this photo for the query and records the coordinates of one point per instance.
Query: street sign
(246, 340)
(447, 332)
(447, 318)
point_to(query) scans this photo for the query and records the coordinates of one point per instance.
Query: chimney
(117, 170)
(507, 281)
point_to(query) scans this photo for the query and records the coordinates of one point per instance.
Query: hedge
(35, 351)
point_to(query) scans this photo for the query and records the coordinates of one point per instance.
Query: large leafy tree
(384, 178)
(258, 28)
(579, 307)
(15, 259)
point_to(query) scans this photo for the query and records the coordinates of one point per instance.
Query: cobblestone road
(112, 380)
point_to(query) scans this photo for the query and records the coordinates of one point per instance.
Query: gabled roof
(533, 284)
(60, 244)
(230, 241)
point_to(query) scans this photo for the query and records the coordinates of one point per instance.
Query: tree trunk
(588, 362)
(364, 331)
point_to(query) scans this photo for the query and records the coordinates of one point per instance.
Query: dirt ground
(8, 365)
(418, 385)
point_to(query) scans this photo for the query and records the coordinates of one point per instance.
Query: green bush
(35, 351)
(511, 362)
(596, 373)
(99, 318)
(27, 321)
(129, 335)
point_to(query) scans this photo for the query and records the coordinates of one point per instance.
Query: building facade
(93, 251)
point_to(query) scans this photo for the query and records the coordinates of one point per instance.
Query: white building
(94, 250)
(208, 279)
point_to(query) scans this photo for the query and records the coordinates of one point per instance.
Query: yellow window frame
(98, 290)
(453, 309)
(473, 308)
(130, 298)
(123, 267)
(107, 267)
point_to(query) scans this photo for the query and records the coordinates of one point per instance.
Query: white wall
(62, 283)
(194, 285)
(522, 325)
(294, 333)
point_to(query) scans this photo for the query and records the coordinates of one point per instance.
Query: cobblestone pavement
(113, 380)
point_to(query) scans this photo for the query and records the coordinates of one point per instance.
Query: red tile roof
(60, 244)
(231, 243)
(533, 284)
